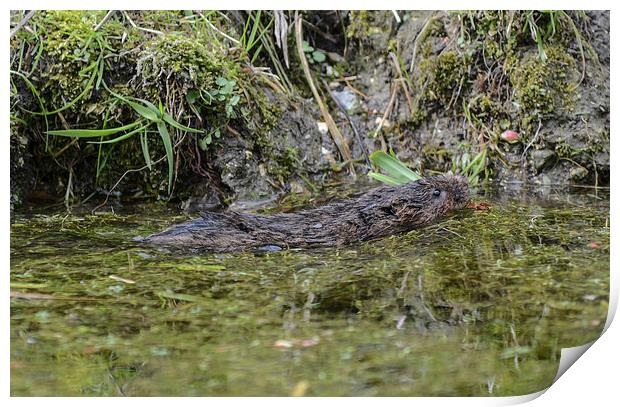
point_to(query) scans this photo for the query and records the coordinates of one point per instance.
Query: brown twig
(105, 19)
(22, 23)
(388, 110)
(337, 136)
(355, 90)
(353, 127)
(403, 81)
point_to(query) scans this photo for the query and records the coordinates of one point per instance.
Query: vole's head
(441, 194)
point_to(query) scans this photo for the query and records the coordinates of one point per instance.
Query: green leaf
(144, 142)
(228, 88)
(165, 136)
(99, 74)
(318, 56)
(148, 111)
(192, 95)
(477, 163)
(179, 296)
(396, 169)
(250, 41)
(168, 119)
(385, 179)
(144, 111)
(234, 100)
(92, 133)
(204, 142)
(306, 47)
(123, 137)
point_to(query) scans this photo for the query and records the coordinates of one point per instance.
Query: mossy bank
(438, 88)
(70, 72)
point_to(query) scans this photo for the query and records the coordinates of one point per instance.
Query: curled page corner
(568, 356)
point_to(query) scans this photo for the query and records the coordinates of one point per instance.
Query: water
(480, 304)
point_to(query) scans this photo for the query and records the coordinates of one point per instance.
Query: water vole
(380, 212)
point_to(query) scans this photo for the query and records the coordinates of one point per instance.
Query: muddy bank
(530, 90)
(469, 77)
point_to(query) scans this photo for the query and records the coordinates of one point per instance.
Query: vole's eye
(436, 193)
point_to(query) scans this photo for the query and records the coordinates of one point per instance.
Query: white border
(592, 380)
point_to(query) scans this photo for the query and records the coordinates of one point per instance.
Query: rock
(542, 158)
(346, 98)
(602, 159)
(578, 173)
(335, 57)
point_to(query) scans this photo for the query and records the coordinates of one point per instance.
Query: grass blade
(250, 43)
(144, 142)
(84, 133)
(150, 112)
(165, 136)
(144, 111)
(260, 35)
(385, 179)
(396, 169)
(123, 137)
(168, 119)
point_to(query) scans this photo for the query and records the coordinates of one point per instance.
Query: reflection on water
(480, 304)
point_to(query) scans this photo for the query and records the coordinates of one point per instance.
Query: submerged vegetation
(480, 304)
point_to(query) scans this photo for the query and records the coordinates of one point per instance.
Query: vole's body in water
(380, 212)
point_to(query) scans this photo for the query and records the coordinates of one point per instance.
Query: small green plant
(470, 167)
(150, 115)
(399, 173)
(313, 55)
(204, 142)
(225, 92)
(249, 38)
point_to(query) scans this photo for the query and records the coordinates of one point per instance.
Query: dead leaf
(480, 206)
(122, 280)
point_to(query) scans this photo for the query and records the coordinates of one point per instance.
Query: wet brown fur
(380, 212)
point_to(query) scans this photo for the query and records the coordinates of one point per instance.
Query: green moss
(362, 24)
(193, 62)
(440, 82)
(288, 163)
(543, 87)
(435, 29)
(503, 70)
(198, 80)
(71, 49)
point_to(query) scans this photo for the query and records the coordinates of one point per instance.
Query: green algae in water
(480, 304)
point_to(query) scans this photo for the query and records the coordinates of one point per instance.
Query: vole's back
(380, 212)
